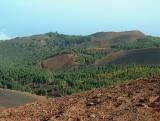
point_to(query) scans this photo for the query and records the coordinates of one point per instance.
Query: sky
(81, 17)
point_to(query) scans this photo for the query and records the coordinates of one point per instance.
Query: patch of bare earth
(60, 62)
(137, 100)
(110, 58)
(135, 56)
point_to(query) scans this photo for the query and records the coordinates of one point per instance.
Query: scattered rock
(90, 104)
(154, 99)
(92, 116)
(122, 102)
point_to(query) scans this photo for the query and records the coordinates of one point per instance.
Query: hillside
(31, 50)
(54, 64)
(9, 98)
(138, 56)
(106, 39)
(137, 100)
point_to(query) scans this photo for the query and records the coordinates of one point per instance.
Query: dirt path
(137, 100)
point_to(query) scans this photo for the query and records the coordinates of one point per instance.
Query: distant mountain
(34, 49)
(55, 64)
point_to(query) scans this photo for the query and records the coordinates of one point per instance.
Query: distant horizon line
(36, 34)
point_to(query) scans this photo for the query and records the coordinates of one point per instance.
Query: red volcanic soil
(60, 62)
(137, 100)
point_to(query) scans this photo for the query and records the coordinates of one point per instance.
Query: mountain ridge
(56, 64)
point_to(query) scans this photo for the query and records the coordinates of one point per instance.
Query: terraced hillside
(137, 100)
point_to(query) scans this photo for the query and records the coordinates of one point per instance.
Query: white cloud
(4, 36)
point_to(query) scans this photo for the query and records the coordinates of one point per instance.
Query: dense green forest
(19, 59)
(44, 82)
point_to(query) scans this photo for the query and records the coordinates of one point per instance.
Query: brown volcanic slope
(110, 58)
(60, 62)
(106, 39)
(137, 100)
(139, 56)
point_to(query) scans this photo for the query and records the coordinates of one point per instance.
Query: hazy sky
(27, 17)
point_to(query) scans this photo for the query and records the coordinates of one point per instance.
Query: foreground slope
(133, 101)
